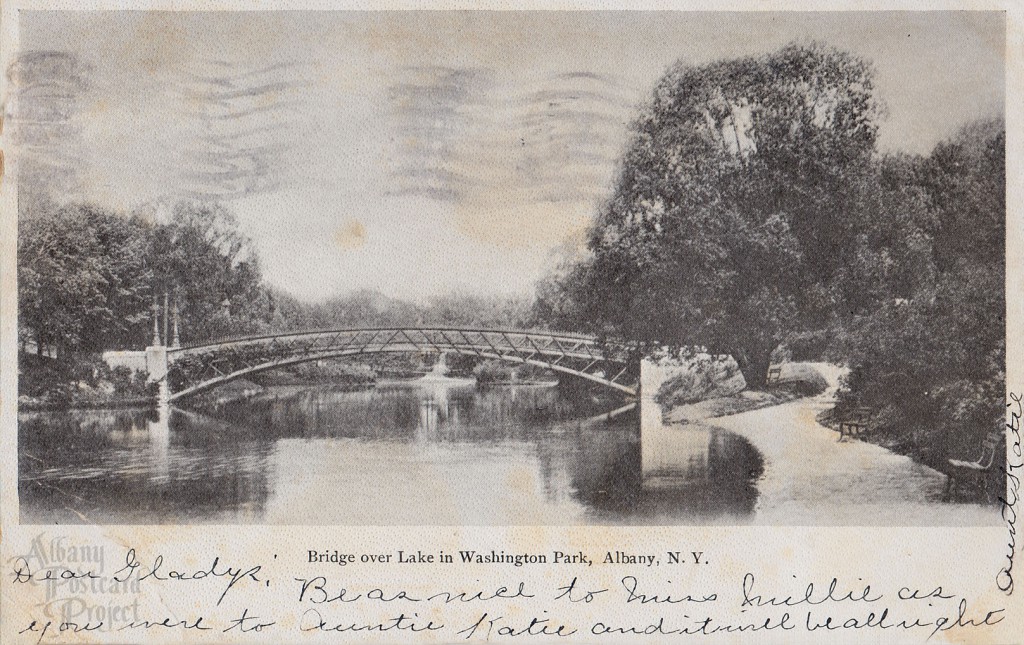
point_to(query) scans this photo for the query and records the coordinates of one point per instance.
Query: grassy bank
(721, 392)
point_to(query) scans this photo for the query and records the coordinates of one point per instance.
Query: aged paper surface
(510, 323)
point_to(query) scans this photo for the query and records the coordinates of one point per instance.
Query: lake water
(427, 452)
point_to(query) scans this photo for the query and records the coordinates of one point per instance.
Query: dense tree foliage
(201, 255)
(82, 280)
(88, 277)
(932, 364)
(737, 199)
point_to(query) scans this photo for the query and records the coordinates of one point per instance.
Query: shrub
(494, 371)
(696, 376)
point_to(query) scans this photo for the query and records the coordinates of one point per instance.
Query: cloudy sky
(419, 153)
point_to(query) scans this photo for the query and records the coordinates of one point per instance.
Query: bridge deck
(199, 367)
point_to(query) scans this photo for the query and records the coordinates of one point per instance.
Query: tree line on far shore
(755, 216)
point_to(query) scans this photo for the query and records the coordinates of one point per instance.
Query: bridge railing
(196, 367)
(296, 335)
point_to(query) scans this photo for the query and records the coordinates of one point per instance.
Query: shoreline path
(810, 478)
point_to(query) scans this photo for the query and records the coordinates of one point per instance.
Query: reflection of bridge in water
(189, 370)
(319, 455)
(611, 470)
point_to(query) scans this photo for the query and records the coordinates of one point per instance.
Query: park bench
(977, 469)
(774, 375)
(856, 422)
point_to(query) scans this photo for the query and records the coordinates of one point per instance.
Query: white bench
(994, 442)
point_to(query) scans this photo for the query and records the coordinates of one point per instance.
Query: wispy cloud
(228, 128)
(242, 117)
(459, 134)
(49, 88)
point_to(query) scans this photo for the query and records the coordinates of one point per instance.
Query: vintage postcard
(508, 322)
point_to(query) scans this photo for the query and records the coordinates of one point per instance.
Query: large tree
(202, 256)
(87, 277)
(82, 280)
(739, 199)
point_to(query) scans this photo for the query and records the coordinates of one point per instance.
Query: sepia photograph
(510, 268)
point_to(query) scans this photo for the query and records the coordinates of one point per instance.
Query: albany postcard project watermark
(75, 581)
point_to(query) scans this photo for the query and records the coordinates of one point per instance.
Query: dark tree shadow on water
(715, 483)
